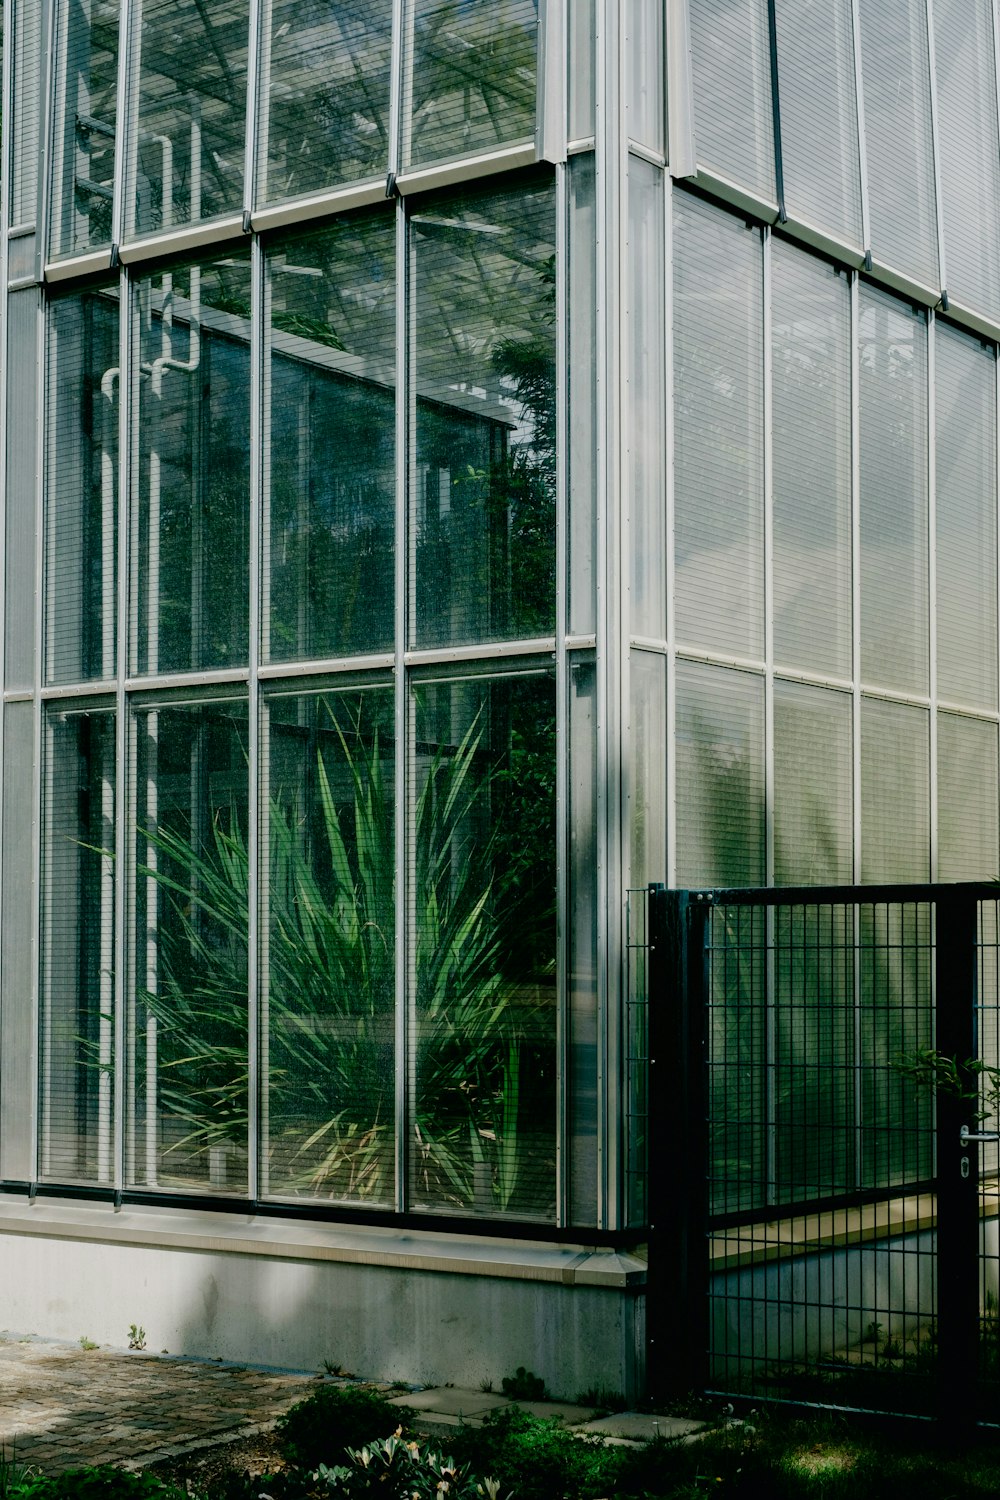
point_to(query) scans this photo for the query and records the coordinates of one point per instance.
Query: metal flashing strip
(252, 1229)
(77, 266)
(319, 205)
(466, 169)
(179, 241)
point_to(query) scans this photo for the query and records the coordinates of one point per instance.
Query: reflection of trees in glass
(471, 85)
(482, 961)
(328, 100)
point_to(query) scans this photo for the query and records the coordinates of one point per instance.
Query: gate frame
(677, 1299)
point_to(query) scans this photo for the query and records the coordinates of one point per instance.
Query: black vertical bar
(677, 1284)
(957, 1172)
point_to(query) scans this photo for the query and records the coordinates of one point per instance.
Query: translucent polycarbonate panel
(581, 42)
(78, 949)
(469, 77)
(730, 57)
(583, 943)
(483, 466)
(647, 777)
(899, 143)
(481, 835)
(966, 506)
(20, 521)
(895, 792)
(581, 380)
(719, 748)
(324, 95)
(189, 122)
(25, 107)
(819, 115)
(83, 129)
(81, 490)
(188, 1015)
(893, 502)
(811, 464)
(17, 934)
(813, 774)
(718, 430)
(189, 546)
(330, 462)
(968, 775)
(646, 405)
(329, 945)
(644, 83)
(965, 73)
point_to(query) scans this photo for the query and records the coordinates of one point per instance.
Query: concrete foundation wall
(415, 1308)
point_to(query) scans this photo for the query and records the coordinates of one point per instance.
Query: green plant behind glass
(331, 996)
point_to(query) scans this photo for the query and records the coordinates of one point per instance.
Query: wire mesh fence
(834, 1226)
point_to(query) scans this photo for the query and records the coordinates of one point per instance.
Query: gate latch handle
(965, 1134)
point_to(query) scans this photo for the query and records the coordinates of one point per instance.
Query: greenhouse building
(464, 461)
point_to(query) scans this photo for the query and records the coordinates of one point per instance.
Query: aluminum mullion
(6, 85)
(859, 104)
(258, 56)
(932, 595)
(127, 477)
(122, 132)
(856, 829)
(257, 889)
(563, 747)
(46, 116)
(936, 147)
(402, 738)
(670, 874)
(396, 90)
(551, 87)
(767, 583)
(681, 150)
(37, 726)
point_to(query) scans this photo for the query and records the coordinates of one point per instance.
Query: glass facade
(414, 538)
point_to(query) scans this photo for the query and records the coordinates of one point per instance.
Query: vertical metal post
(677, 1284)
(957, 1173)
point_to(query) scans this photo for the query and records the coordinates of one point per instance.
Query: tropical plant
(330, 956)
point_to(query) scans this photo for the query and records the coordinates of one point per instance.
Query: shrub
(335, 1417)
(103, 1482)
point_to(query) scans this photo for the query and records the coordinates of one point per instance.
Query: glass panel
(581, 338)
(584, 944)
(483, 946)
(189, 548)
(187, 1023)
(330, 946)
(898, 139)
(719, 430)
(27, 54)
(331, 449)
(187, 156)
(78, 885)
(720, 777)
(965, 74)
(469, 77)
(83, 167)
(893, 353)
(17, 937)
(813, 773)
(968, 776)
(325, 101)
(647, 796)
(21, 524)
(644, 59)
(811, 416)
(731, 62)
(646, 405)
(82, 488)
(819, 115)
(966, 505)
(483, 476)
(895, 792)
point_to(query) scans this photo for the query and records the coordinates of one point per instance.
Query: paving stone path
(61, 1405)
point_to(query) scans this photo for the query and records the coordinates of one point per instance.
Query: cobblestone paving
(61, 1405)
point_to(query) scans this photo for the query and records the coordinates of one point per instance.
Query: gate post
(957, 1162)
(677, 1282)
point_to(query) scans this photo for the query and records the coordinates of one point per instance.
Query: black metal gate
(822, 1150)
